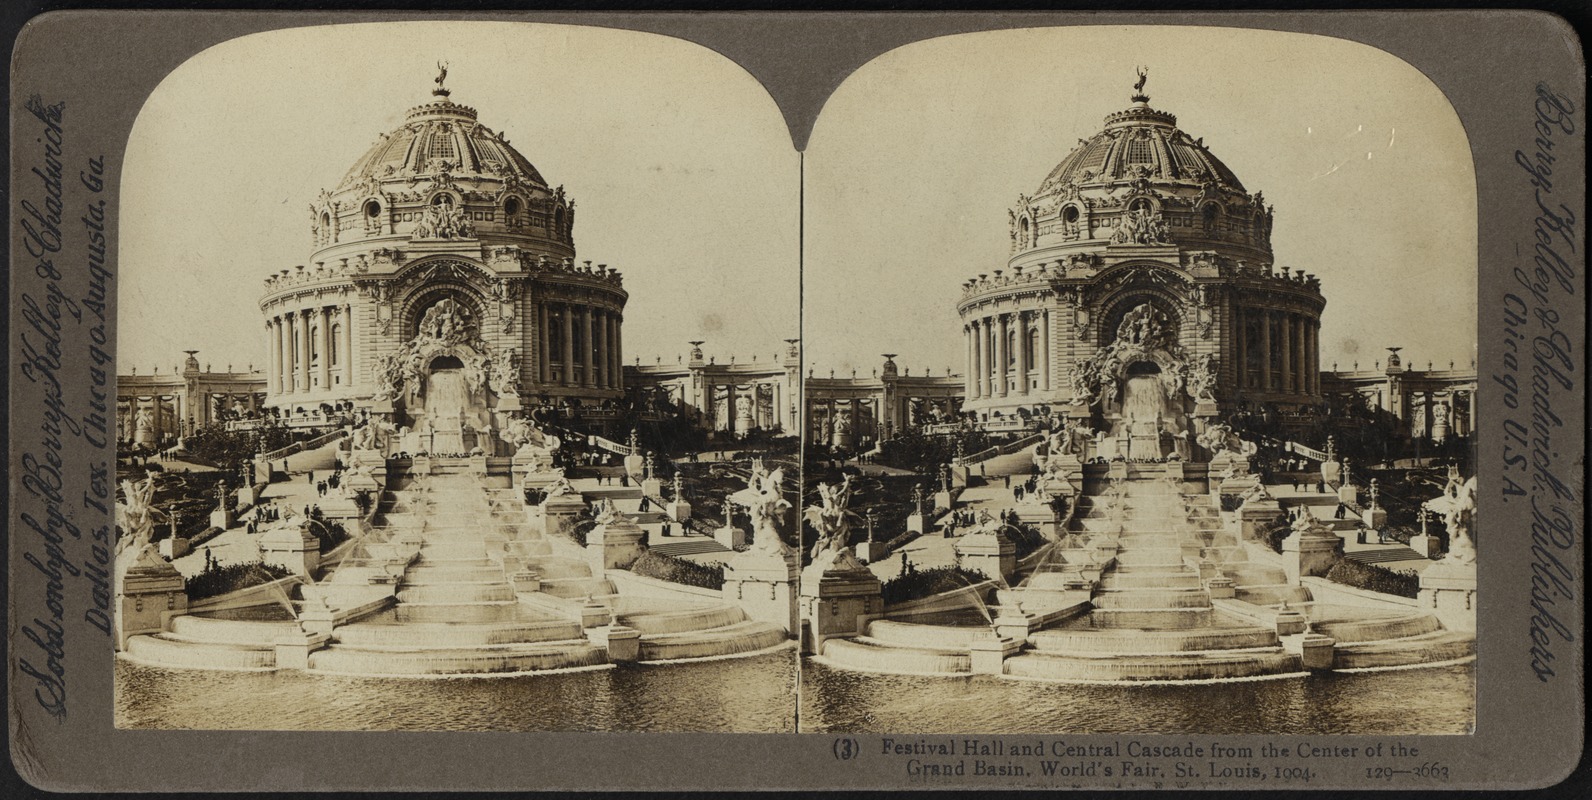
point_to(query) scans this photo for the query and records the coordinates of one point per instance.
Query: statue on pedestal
(832, 551)
(135, 516)
(1457, 504)
(763, 501)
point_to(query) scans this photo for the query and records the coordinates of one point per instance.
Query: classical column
(604, 363)
(305, 355)
(1003, 357)
(616, 342)
(1265, 349)
(273, 366)
(348, 345)
(1241, 347)
(1044, 349)
(1315, 357)
(975, 378)
(325, 314)
(587, 378)
(567, 378)
(544, 370)
(1287, 352)
(1022, 353)
(284, 343)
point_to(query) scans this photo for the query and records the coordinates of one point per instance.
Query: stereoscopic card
(969, 401)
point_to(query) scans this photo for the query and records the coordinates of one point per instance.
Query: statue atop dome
(1138, 88)
(442, 75)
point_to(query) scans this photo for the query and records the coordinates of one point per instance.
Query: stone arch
(424, 297)
(1116, 307)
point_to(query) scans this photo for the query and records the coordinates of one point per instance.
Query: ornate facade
(1141, 282)
(733, 397)
(851, 413)
(153, 409)
(443, 286)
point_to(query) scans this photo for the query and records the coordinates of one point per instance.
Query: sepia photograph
(1168, 426)
(389, 409)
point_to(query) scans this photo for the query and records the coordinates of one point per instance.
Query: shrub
(926, 582)
(1374, 578)
(1026, 539)
(218, 580)
(679, 570)
(1231, 502)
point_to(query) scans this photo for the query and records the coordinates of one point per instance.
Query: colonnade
(995, 371)
(304, 345)
(580, 346)
(1286, 347)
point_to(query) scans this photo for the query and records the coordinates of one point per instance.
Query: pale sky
(679, 161)
(917, 156)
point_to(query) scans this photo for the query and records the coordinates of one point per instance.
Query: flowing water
(756, 694)
(1439, 700)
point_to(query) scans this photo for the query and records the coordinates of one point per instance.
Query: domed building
(1141, 288)
(442, 286)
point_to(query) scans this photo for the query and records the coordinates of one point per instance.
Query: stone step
(453, 593)
(1151, 618)
(1164, 667)
(444, 635)
(1367, 630)
(873, 656)
(910, 634)
(1142, 642)
(572, 588)
(515, 658)
(168, 651)
(1151, 598)
(257, 633)
(682, 620)
(1118, 579)
(1273, 594)
(1428, 648)
(747, 636)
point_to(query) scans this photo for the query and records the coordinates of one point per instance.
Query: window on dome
(1069, 215)
(511, 206)
(1139, 152)
(441, 147)
(373, 209)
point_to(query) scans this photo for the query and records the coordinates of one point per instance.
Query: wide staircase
(454, 607)
(1150, 616)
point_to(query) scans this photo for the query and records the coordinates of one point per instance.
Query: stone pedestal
(915, 523)
(623, 643)
(730, 536)
(149, 591)
(222, 518)
(1312, 552)
(943, 500)
(1221, 588)
(594, 614)
(1289, 623)
(869, 552)
(635, 464)
(989, 552)
(560, 514)
(1255, 516)
(677, 511)
(1315, 651)
(615, 545)
(1425, 544)
(1011, 622)
(529, 476)
(478, 464)
(764, 584)
(174, 547)
(1347, 493)
(293, 650)
(1448, 589)
(1040, 516)
(837, 601)
(420, 465)
(294, 547)
(1374, 518)
(652, 487)
(526, 580)
(989, 654)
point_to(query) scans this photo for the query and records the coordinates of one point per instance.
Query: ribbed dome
(439, 136)
(1141, 142)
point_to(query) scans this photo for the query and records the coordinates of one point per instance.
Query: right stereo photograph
(1139, 390)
